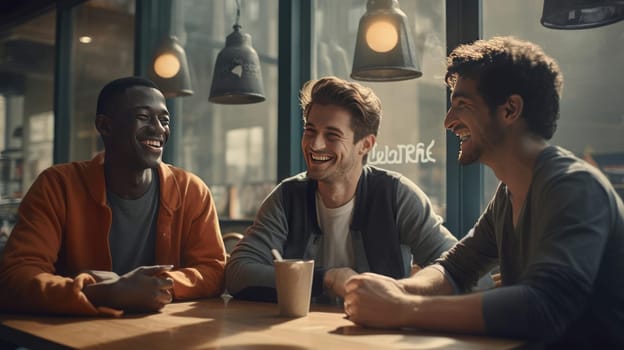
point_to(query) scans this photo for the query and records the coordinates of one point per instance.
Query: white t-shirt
(337, 249)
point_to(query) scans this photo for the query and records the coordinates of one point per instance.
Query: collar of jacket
(170, 196)
(361, 192)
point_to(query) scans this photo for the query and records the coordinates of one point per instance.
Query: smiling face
(328, 147)
(472, 121)
(138, 129)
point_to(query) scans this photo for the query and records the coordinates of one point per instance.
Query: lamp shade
(237, 77)
(384, 50)
(169, 69)
(581, 14)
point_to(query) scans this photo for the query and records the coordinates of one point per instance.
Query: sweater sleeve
(28, 282)
(419, 226)
(477, 252)
(250, 268)
(572, 230)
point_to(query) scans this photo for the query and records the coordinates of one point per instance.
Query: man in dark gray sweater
(555, 225)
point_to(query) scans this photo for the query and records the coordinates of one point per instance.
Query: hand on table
(102, 276)
(335, 279)
(376, 301)
(143, 289)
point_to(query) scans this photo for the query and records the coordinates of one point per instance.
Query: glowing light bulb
(382, 36)
(166, 65)
(85, 39)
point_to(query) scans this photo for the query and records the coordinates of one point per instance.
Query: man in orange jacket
(121, 232)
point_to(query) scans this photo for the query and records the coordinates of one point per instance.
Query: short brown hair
(364, 105)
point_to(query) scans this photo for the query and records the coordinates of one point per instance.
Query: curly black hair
(503, 66)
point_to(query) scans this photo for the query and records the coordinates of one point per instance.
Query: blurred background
(55, 56)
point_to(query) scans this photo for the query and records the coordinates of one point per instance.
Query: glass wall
(26, 111)
(412, 138)
(102, 49)
(233, 148)
(592, 109)
(26, 107)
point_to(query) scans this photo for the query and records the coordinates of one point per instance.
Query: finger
(351, 311)
(164, 297)
(329, 279)
(155, 269)
(373, 275)
(354, 283)
(345, 306)
(166, 283)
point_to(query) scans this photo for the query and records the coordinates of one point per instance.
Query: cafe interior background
(55, 56)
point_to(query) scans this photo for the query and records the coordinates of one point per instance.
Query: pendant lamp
(169, 69)
(581, 14)
(237, 78)
(384, 50)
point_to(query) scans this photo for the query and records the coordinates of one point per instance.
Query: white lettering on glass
(402, 154)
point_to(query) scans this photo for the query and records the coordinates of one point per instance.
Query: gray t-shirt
(562, 264)
(132, 235)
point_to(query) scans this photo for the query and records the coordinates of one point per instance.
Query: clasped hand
(335, 279)
(375, 301)
(144, 289)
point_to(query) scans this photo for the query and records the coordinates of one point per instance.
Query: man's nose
(318, 142)
(450, 119)
(157, 125)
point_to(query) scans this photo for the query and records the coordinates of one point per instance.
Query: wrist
(99, 294)
(409, 310)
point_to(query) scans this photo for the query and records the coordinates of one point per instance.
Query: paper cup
(293, 280)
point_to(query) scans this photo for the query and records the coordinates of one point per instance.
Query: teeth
(463, 135)
(152, 143)
(320, 157)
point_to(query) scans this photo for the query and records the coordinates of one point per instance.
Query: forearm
(462, 314)
(251, 262)
(428, 281)
(243, 273)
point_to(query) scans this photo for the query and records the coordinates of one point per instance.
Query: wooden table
(226, 325)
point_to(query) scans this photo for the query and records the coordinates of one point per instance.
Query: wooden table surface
(225, 325)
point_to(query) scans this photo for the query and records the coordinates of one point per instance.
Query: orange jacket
(62, 229)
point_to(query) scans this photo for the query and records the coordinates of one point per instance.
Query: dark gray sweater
(562, 267)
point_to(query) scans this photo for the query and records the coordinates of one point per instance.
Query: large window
(592, 108)
(102, 49)
(233, 148)
(26, 111)
(26, 108)
(412, 138)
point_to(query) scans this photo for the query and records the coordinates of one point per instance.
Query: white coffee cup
(293, 280)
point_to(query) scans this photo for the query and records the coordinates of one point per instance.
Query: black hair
(110, 92)
(503, 66)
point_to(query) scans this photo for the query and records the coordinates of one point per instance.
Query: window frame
(463, 25)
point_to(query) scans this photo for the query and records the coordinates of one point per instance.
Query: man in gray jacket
(347, 216)
(555, 225)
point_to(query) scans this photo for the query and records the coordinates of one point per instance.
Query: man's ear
(368, 142)
(103, 124)
(513, 108)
